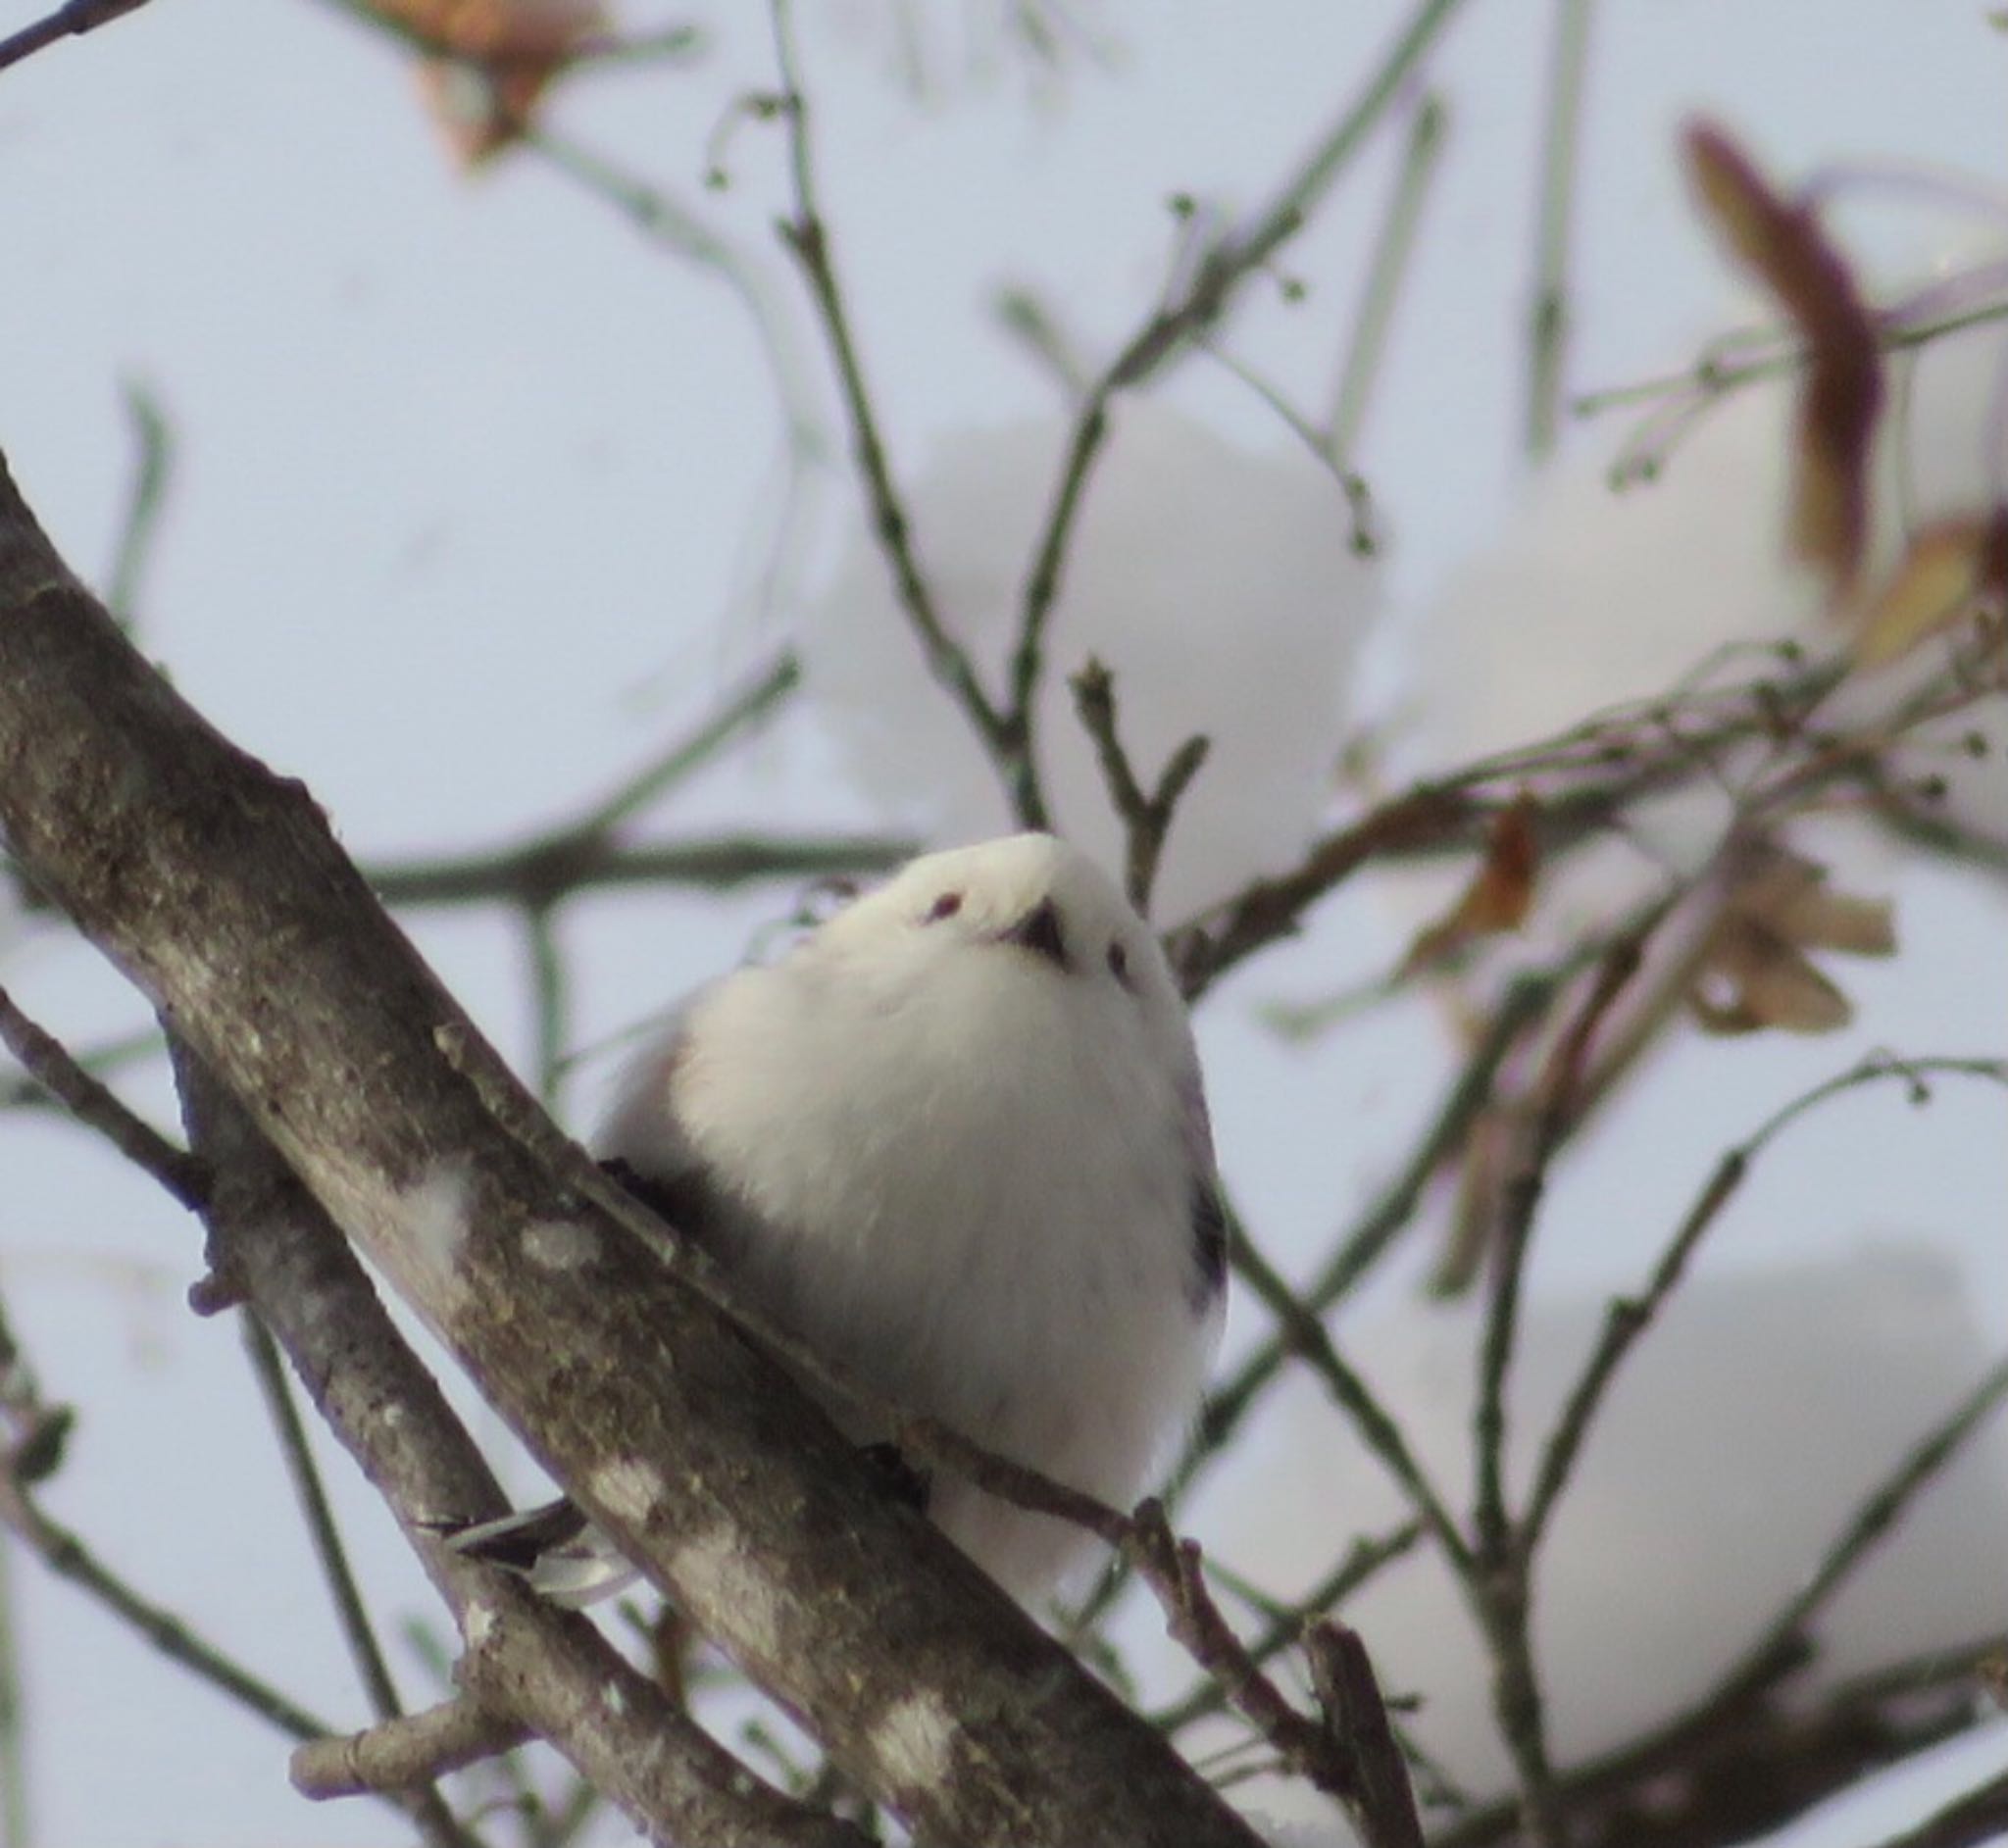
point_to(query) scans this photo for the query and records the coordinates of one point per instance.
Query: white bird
(956, 1141)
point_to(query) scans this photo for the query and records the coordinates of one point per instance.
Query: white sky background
(460, 529)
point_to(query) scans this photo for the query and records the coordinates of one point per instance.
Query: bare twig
(807, 236)
(550, 866)
(69, 21)
(1550, 1116)
(1033, 324)
(1305, 1336)
(1356, 1251)
(1787, 1637)
(756, 700)
(67, 1555)
(548, 988)
(1386, 272)
(1146, 815)
(1734, 1771)
(1747, 1765)
(1728, 364)
(1629, 1317)
(1325, 451)
(1382, 1805)
(1367, 1556)
(1195, 309)
(21, 1415)
(405, 1752)
(95, 1106)
(17, 1826)
(1173, 1569)
(1549, 324)
(1203, 948)
(371, 1668)
(145, 503)
(1980, 1816)
(112, 1055)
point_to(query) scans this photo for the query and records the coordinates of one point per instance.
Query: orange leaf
(492, 62)
(1784, 243)
(1500, 893)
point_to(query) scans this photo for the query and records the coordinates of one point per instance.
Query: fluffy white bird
(955, 1141)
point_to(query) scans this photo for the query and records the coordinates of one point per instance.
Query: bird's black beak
(1039, 931)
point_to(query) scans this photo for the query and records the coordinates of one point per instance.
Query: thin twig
(1629, 1317)
(371, 1668)
(1386, 272)
(1230, 1401)
(1382, 1805)
(1305, 1336)
(1787, 1636)
(1714, 377)
(755, 701)
(1192, 312)
(428, 1810)
(1367, 1556)
(553, 867)
(1035, 327)
(402, 1753)
(1145, 815)
(1980, 1816)
(1732, 1770)
(67, 1555)
(145, 501)
(21, 1411)
(1174, 1571)
(1551, 1113)
(1549, 324)
(112, 1055)
(70, 21)
(97, 1107)
(1359, 497)
(1499, 1585)
(17, 1816)
(548, 988)
(807, 236)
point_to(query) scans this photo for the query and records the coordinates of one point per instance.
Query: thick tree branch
(529, 1665)
(218, 888)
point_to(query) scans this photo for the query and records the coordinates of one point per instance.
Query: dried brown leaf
(1789, 897)
(1771, 983)
(1821, 918)
(1785, 245)
(496, 60)
(1947, 569)
(1499, 894)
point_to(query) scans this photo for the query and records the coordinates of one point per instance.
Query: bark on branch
(218, 890)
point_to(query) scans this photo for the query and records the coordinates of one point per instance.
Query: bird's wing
(643, 1146)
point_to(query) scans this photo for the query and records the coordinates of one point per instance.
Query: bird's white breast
(976, 1194)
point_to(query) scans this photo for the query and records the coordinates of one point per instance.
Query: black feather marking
(685, 1201)
(517, 1542)
(1209, 1241)
(904, 1479)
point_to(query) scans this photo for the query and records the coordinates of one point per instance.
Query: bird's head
(1028, 913)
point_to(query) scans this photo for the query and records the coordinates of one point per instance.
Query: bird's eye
(1119, 963)
(946, 906)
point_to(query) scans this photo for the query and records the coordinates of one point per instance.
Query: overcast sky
(471, 493)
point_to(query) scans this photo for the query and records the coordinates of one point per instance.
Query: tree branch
(219, 889)
(530, 1664)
